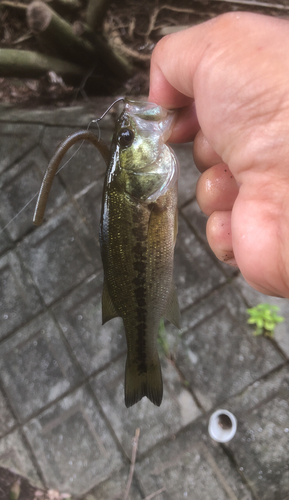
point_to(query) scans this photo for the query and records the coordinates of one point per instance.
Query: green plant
(265, 317)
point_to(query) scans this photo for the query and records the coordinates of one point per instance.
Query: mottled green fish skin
(137, 238)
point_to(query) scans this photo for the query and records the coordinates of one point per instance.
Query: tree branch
(133, 459)
(28, 64)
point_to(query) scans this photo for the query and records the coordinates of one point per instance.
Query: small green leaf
(279, 319)
(265, 318)
(260, 322)
(269, 325)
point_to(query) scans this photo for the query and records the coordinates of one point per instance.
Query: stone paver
(38, 352)
(15, 455)
(189, 174)
(178, 407)
(19, 184)
(80, 318)
(63, 422)
(114, 488)
(61, 254)
(16, 140)
(219, 344)
(191, 467)
(253, 297)
(72, 443)
(192, 264)
(20, 299)
(7, 420)
(261, 445)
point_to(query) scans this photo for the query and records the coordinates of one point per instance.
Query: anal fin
(172, 310)
(108, 309)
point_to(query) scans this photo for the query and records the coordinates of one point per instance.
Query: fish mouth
(150, 112)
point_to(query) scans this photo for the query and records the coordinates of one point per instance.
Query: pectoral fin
(172, 311)
(108, 309)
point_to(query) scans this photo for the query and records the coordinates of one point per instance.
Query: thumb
(174, 63)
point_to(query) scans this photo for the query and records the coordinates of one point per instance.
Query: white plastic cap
(222, 426)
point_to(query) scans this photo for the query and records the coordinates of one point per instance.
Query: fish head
(147, 165)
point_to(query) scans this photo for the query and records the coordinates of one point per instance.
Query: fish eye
(126, 137)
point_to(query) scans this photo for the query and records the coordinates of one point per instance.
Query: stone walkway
(63, 422)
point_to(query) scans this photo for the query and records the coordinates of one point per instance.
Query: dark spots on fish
(140, 291)
(139, 266)
(140, 262)
(139, 235)
(141, 302)
(139, 281)
(140, 297)
(139, 248)
(140, 315)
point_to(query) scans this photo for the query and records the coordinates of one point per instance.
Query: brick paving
(63, 422)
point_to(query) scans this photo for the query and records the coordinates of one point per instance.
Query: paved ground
(63, 422)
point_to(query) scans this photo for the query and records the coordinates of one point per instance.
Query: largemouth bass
(137, 237)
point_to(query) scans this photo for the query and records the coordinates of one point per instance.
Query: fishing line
(20, 212)
(96, 120)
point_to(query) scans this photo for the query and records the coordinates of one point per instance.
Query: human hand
(230, 77)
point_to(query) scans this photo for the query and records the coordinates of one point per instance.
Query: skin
(230, 77)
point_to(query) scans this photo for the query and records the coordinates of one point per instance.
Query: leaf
(251, 321)
(269, 325)
(260, 322)
(280, 319)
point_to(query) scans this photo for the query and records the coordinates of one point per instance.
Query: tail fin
(149, 384)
